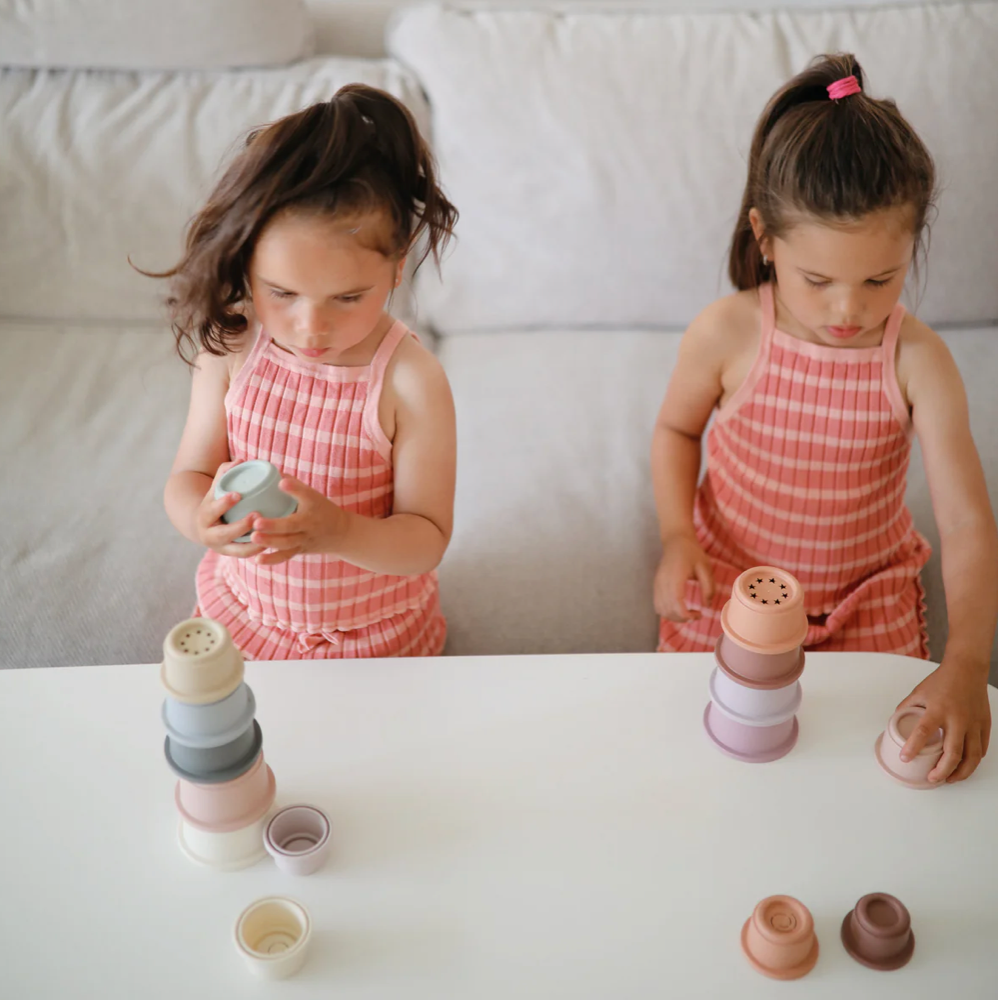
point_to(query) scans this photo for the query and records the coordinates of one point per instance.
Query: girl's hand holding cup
(217, 535)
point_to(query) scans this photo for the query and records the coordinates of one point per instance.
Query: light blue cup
(256, 481)
(209, 725)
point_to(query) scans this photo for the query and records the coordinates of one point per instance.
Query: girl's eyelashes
(873, 282)
(878, 284)
(279, 293)
(816, 284)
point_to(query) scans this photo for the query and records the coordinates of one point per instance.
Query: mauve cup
(228, 805)
(223, 850)
(272, 935)
(913, 773)
(754, 706)
(297, 838)
(765, 613)
(763, 671)
(209, 725)
(751, 744)
(779, 939)
(200, 663)
(256, 483)
(877, 932)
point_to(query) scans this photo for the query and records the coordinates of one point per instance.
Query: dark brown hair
(834, 160)
(359, 152)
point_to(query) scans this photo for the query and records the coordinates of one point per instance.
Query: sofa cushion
(599, 161)
(153, 34)
(96, 167)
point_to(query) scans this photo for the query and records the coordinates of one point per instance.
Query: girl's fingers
(241, 550)
(921, 735)
(972, 754)
(275, 558)
(273, 540)
(950, 760)
(705, 577)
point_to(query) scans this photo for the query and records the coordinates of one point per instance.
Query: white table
(506, 827)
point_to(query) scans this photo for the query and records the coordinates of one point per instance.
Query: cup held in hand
(256, 482)
(915, 772)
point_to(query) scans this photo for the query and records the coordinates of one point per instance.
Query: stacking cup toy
(758, 670)
(210, 725)
(913, 773)
(272, 935)
(256, 482)
(877, 932)
(200, 663)
(754, 706)
(228, 805)
(765, 614)
(224, 850)
(779, 939)
(750, 743)
(298, 839)
(213, 764)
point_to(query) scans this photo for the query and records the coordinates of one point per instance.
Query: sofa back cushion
(153, 34)
(97, 167)
(598, 158)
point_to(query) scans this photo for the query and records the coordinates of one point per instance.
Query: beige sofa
(596, 156)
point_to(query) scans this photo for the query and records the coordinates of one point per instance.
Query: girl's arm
(955, 695)
(694, 390)
(424, 447)
(202, 454)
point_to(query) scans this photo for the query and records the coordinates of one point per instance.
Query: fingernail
(905, 757)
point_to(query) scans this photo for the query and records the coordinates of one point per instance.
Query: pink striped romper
(318, 423)
(806, 470)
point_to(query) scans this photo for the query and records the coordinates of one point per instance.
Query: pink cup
(758, 670)
(752, 744)
(297, 838)
(228, 805)
(779, 939)
(751, 706)
(913, 773)
(765, 613)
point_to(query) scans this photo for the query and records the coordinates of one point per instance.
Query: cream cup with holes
(297, 838)
(754, 706)
(209, 725)
(228, 805)
(223, 850)
(751, 744)
(200, 663)
(256, 483)
(765, 613)
(272, 935)
(915, 772)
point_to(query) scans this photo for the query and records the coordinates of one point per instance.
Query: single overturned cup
(765, 613)
(297, 838)
(779, 939)
(913, 773)
(200, 663)
(272, 935)
(877, 932)
(256, 483)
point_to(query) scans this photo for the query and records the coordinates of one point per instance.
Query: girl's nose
(310, 320)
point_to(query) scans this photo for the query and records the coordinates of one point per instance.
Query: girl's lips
(313, 353)
(844, 331)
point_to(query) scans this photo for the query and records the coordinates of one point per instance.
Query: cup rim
(902, 958)
(214, 739)
(229, 826)
(761, 757)
(274, 958)
(230, 773)
(320, 845)
(755, 720)
(907, 782)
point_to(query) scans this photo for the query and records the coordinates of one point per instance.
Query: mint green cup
(256, 483)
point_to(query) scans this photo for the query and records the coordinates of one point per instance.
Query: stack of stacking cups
(755, 688)
(215, 746)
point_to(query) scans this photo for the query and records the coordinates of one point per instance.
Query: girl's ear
(400, 269)
(759, 232)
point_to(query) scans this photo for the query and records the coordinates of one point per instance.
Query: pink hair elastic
(845, 87)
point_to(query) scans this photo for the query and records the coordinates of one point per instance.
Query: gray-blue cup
(207, 765)
(256, 482)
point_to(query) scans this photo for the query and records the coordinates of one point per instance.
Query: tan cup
(779, 939)
(200, 663)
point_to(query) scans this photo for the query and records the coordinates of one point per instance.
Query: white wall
(356, 27)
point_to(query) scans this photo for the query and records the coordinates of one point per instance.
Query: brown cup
(764, 671)
(877, 932)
